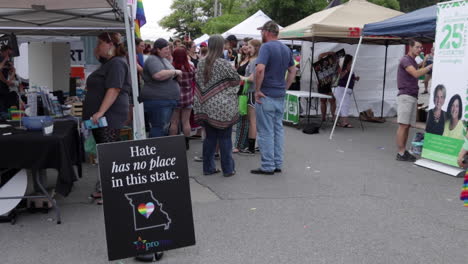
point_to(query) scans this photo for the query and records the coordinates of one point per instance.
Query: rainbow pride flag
(140, 18)
(464, 193)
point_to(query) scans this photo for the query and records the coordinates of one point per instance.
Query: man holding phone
(408, 90)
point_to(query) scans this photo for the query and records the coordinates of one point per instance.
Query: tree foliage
(411, 5)
(393, 4)
(286, 12)
(233, 13)
(222, 23)
(195, 17)
(187, 17)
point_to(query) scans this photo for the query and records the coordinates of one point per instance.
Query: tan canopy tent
(342, 23)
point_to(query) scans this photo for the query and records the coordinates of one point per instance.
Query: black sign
(10, 40)
(326, 70)
(147, 205)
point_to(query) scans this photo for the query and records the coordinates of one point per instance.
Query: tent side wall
(369, 66)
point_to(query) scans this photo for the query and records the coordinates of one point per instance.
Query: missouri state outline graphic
(147, 211)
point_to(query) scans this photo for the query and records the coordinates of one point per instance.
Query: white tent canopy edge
(248, 28)
(75, 18)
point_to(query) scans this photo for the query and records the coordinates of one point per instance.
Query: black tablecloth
(33, 150)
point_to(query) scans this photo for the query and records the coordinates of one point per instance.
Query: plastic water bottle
(32, 102)
(57, 108)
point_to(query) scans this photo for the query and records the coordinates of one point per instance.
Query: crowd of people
(178, 83)
(182, 88)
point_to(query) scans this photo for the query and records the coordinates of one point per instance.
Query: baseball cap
(231, 38)
(160, 43)
(270, 26)
(203, 44)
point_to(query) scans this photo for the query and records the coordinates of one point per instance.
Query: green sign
(291, 109)
(292, 33)
(441, 149)
(448, 103)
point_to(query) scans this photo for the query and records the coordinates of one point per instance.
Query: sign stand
(10, 196)
(440, 167)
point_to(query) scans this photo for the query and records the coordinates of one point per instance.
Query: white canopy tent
(201, 39)
(248, 28)
(76, 18)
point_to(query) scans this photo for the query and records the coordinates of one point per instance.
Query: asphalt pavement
(345, 200)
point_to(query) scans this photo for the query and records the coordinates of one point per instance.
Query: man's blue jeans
(270, 132)
(223, 138)
(159, 114)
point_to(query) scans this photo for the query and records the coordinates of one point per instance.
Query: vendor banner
(77, 55)
(445, 126)
(146, 196)
(12, 42)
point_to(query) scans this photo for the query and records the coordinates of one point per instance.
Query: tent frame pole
(346, 88)
(138, 125)
(309, 101)
(384, 78)
(357, 109)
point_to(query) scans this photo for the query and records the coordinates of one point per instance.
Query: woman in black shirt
(191, 52)
(107, 91)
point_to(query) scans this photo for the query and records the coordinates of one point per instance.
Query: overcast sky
(155, 10)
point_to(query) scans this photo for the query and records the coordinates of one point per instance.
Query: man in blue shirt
(273, 61)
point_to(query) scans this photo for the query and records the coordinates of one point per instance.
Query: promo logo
(142, 244)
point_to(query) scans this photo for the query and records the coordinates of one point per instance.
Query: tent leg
(357, 109)
(346, 88)
(138, 121)
(384, 79)
(309, 100)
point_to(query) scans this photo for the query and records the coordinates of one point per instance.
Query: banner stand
(440, 167)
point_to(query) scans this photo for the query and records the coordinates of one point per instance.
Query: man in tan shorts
(408, 90)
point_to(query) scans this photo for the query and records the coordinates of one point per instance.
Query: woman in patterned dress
(216, 106)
